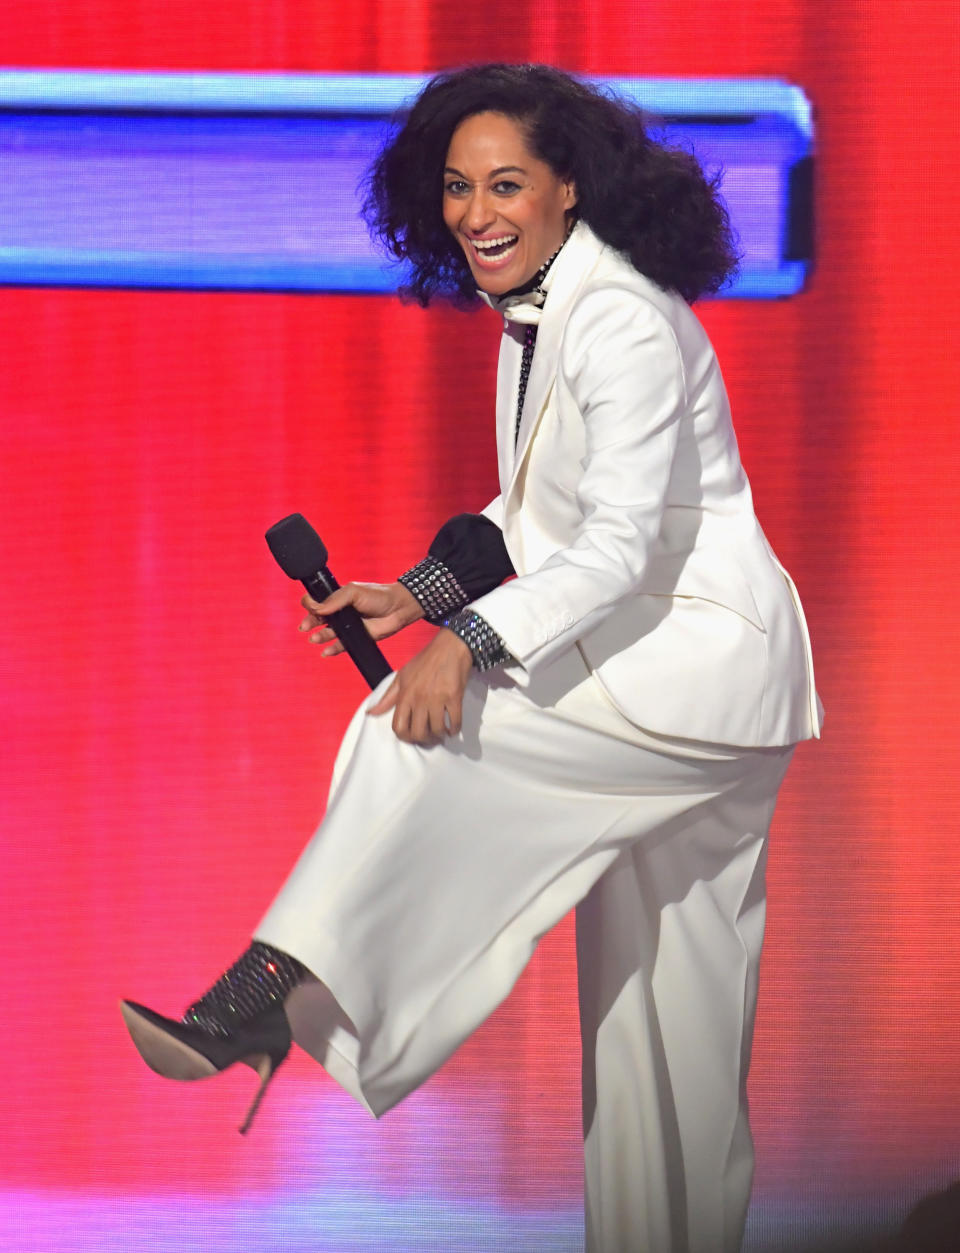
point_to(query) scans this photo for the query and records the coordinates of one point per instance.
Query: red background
(169, 735)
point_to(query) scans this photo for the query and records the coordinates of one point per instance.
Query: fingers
(319, 611)
(386, 608)
(426, 696)
(415, 727)
(325, 635)
(342, 597)
(437, 721)
(419, 721)
(414, 722)
(308, 624)
(454, 715)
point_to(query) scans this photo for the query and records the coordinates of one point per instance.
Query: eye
(506, 187)
(456, 187)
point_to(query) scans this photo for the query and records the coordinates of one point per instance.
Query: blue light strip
(104, 175)
(182, 91)
(68, 267)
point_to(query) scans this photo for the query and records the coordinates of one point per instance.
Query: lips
(495, 251)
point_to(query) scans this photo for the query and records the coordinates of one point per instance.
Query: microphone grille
(298, 549)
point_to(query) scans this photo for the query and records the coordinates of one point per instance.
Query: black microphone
(301, 554)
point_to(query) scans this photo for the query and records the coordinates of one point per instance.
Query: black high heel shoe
(178, 1051)
(240, 1019)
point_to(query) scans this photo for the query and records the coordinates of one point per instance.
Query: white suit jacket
(629, 519)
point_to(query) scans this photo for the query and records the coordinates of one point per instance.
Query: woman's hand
(385, 607)
(427, 695)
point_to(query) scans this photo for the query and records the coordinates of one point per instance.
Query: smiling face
(507, 209)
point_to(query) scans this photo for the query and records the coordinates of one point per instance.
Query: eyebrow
(503, 169)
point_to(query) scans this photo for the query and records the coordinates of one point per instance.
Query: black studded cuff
(436, 588)
(485, 644)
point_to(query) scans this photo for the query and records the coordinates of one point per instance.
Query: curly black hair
(649, 200)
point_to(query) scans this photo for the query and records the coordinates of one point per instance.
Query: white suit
(627, 509)
(627, 763)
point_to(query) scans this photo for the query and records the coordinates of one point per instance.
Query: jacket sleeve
(621, 364)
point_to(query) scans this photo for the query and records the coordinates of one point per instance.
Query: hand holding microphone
(427, 695)
(339, 612)
(385, 608)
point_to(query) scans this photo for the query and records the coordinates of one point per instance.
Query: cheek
(536, 219)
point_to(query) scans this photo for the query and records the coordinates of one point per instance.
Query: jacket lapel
(568, 275)
(508, 380)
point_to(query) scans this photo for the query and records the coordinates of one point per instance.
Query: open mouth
(486, 250)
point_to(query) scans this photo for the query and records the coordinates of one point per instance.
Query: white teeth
(494, 243)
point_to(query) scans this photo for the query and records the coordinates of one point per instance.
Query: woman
(608, 730)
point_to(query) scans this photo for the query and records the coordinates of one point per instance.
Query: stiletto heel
(178, 1051)
(266, 1068)
(240, 1019)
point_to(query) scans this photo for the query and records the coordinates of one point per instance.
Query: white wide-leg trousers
(435, 872)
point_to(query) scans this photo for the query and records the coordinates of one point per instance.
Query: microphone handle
(349, 629)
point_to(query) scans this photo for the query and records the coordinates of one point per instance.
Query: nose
(479, 212)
